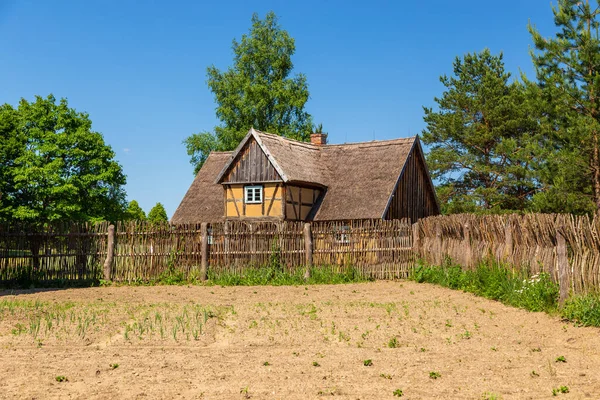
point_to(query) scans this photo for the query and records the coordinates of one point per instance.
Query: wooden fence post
(508, 240)
(438, 244)
(416, 244)
(110, 252)
(204, 251)
(563, 266)
(468, 249)
(308, 249)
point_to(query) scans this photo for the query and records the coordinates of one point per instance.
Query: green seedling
(114, 366)
(562, 389)
(245, 392)
(61, 378)
(386, 376)
(434, 375)
(490, 396)
(368, 363)
(398, 393)
(316, 364)
(561, 359)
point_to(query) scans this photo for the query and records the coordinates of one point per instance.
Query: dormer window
(253, 194)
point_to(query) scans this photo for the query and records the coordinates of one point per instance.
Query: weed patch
(584, 310)
(496, 282)
(273, 275)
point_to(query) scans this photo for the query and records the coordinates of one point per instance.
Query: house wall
(299, 202)
(251, 166)
(414, 196)
(270, 207)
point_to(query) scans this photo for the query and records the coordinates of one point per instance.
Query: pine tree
(568, 72)
(480, 138)
(158, 214)
(134, 212)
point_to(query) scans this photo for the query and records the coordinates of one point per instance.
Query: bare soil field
(356, 341)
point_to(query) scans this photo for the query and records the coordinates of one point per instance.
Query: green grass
(584, 310)
(517, 289)
(274, 276)
(495, 282)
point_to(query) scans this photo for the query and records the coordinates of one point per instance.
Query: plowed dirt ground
(299, 342)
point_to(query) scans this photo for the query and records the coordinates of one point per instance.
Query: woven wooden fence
(235, 246)
(533, 242)
(378, 249)
(72, 251)
(144, 251)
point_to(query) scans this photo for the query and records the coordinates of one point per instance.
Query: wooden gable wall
(251, 166)
(414, 196)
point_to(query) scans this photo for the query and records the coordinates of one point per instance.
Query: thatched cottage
(269, 177)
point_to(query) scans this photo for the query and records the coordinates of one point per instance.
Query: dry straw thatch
(359, 177)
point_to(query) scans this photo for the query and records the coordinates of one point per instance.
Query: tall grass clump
(275, 276)
(584, 309)
(496, 282)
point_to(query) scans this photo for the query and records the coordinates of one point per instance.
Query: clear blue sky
(139, 68)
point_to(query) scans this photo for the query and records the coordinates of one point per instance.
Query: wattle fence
(564, 246)
(140, 251)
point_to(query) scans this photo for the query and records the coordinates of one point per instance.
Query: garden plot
(368, 340)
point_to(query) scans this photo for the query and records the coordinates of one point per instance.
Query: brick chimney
(318, 139)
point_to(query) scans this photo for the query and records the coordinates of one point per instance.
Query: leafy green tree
(12, 146)
(480, 138)
(568, 72)
(54, 167)
(158, 214)
(257, 91)
(134, 212)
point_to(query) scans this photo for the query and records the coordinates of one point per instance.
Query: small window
(342, 234)
(210, 236)
(253, 194)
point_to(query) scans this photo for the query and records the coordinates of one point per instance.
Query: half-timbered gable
(250, 165)
(272, 177)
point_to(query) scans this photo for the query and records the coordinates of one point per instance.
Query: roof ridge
(287, 139)
(317, 147)
(374, 142)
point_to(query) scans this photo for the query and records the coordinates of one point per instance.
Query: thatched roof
(362, 177)
(203, 201)
(359, 178)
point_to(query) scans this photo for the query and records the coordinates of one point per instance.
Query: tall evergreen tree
(134, 212)
(158, 214)
(257, 91)
(568, 72)
(480, 138)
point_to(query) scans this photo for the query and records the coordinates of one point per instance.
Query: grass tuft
(584, 310)
(276, 276)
